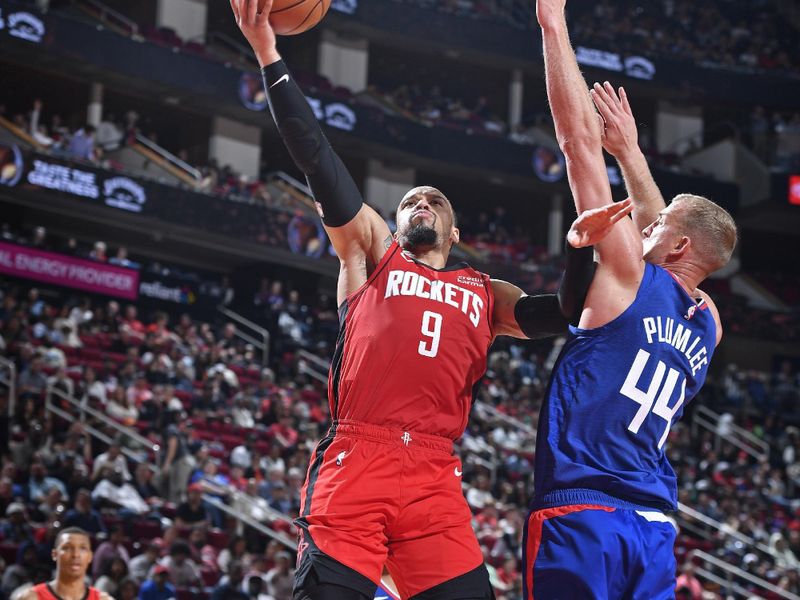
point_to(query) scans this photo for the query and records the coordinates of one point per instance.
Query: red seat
(218, 538)
(190, 594)
(8, 552)
(210, 577)
(146, 530)
(92, 354)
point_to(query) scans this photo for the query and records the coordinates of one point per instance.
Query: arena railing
(8, 378)
(181, 169)
(84, 410)
(735, 579)
(250, 522)
(257, 525)
(20, 134)
(261, 344)
(687, 514)
(107, 15)
(298, 190)
(730, 432)
(313, 366)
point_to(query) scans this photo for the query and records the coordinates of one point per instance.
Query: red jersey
(45, 592)
(412, 344)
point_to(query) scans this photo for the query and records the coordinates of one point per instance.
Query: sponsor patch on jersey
(476, 281)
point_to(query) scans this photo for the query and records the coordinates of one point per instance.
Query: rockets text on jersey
(412, 343)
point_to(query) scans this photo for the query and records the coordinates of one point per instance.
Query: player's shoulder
(30, 594)
(712, 307)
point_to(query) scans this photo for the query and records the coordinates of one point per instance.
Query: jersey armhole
(487, 284)
(387, 256)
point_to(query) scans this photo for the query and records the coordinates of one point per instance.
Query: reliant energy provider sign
(59, 269)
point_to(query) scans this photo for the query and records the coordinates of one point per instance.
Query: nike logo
(284, 77)
(457, 472)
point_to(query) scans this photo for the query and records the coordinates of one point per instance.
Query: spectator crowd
(203, 431)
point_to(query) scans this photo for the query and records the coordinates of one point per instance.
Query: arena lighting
(794, 190)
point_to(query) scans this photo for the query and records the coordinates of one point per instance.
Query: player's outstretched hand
(255, 26)
(550, 12)
(595, 224)
(619, 134)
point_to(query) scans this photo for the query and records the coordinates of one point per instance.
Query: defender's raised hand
(255, 26)
(595, 224)
(620, 135)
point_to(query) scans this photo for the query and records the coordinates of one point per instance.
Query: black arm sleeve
(549, 314)
(540, 316)
(328, 178)
(578, 275)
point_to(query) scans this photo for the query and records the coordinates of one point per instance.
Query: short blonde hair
(710, 227)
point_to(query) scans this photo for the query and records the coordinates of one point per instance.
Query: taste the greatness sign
(58, 269)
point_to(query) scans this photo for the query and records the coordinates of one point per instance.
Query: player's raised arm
(522, 316)
(357, 232)
(578, 133)
(621, 140)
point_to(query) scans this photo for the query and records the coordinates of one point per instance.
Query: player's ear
(455, 235)
(681, 247)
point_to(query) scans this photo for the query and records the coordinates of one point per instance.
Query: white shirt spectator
(108, 135)
(98, 390)
(242, 417)
(479, 498)
(241, 457)
(124, 495)
(104, 460)
(117, 411)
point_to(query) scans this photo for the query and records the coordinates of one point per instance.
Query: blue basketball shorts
(589, 551)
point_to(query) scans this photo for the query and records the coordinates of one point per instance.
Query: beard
(419, 236)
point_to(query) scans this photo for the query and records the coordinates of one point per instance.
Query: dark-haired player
(384, 487)
(72, 554)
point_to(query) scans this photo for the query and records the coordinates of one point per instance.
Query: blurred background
(168, 314)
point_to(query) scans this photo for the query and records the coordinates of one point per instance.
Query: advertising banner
(59, 269)
(27, 169)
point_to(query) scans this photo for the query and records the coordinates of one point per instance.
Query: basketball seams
(291, 20)
(285, 8)
(303, 22)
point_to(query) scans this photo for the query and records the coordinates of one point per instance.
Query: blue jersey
(614, 394)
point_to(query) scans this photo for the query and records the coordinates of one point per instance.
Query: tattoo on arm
(387, 243)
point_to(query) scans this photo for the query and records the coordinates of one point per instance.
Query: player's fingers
(605, 112)
(235, 9)
(572, 238)
(263, 14)
(250, 8)
(612, 208)
(623, 212)
(623, 98)
(612, 95)
(600, 100)
(603, 93)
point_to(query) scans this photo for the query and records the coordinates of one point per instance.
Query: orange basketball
(290, 17)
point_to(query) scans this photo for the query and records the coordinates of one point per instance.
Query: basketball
(290, 17)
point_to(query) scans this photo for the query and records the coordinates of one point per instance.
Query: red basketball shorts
(376, 496)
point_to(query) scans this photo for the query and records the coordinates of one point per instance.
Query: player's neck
(687, 275)
(69, 589)
(432, 257)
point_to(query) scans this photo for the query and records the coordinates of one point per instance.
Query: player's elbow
(579, 145)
